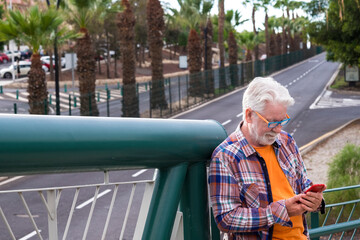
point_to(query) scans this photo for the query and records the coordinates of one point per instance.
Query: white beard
(267, 139)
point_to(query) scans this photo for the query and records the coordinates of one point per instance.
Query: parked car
(46, 59)
(4, 58)
(17, 55)
(22, 68)
(25, 54)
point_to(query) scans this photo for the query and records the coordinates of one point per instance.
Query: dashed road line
(226, 122)
(139, 173)
(30, 235)
(92, 199)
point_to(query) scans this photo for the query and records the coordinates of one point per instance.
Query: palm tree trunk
(126, 24)
(256, 48)
(221, 33)
(222, 77)
(87, 77)
(209, 78)
(267, 36)
(37, 87)
(194, 53)
(233, 57)
(156, 25)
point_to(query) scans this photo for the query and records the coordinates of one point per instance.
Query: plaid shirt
(240, 189)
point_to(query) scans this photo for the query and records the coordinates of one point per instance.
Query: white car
(17, 55)
(46, 59)
(24, 68)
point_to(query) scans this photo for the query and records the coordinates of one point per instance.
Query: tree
(194, 53)
(82, 12)
(249, 40)
(139, 7)
(340, 32)
(33, 27)
(156, 24)
(126, 24)
(221, 34)
(210, 88)
(233, 57)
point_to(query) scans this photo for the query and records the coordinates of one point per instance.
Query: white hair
(264, 90)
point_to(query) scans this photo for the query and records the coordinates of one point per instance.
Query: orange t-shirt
(281, 189)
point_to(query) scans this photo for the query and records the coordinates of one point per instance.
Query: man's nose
(277, 129)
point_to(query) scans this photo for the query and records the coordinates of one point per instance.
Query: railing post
(170, 100)
(164, 202)
(107, 102)
(69, 104)
(52, 215)
(179, 86)
(215, 232)
(314, 221)
(194, 203)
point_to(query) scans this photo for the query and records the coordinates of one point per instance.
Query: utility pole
(57, 87)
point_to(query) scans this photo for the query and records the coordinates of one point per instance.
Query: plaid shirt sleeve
(241, 207)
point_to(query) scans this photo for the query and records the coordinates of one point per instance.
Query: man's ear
(248, 115)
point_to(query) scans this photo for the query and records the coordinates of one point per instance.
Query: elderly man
(257, 178)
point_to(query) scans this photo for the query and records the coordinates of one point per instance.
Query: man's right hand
(294, 207)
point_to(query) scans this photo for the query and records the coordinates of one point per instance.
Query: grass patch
(340, 83)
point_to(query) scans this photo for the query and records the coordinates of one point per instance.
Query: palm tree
(193, 16)
(156, 24)
(210, 88)
(233, 57)
(82, 12)
(33, 27)
(195, 62)
(126, 23)
(221, 33)
(249, 41)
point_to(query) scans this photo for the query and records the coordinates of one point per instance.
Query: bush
(345, 171)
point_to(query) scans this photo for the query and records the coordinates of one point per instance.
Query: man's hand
(294, 207)
(311, 200)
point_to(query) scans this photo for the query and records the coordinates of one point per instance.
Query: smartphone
(316, 188)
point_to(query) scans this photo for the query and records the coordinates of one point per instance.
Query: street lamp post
(57, 87)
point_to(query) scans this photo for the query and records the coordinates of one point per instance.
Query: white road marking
(13, 95)
(239, 115)
(92, 199)
(30, 235)
(139, 173)
(226, 122)
(10, 180)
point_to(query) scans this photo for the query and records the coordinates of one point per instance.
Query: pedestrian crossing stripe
(64, 97)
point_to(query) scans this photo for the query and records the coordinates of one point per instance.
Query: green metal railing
(335, 220)
(180, 150)
(170, 96)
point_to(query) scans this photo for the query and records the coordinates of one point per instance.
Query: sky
(245, 12)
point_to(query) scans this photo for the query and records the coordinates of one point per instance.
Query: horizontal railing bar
(52, 144)
(341, 188)
(76, 186)
(334, 228)
(342, 203)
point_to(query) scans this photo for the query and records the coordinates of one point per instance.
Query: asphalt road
(305, 81)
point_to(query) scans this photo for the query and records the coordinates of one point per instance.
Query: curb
(311, 145)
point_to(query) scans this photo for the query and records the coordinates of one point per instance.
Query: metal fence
(342, 219)
(172, 95)
(179, 149)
